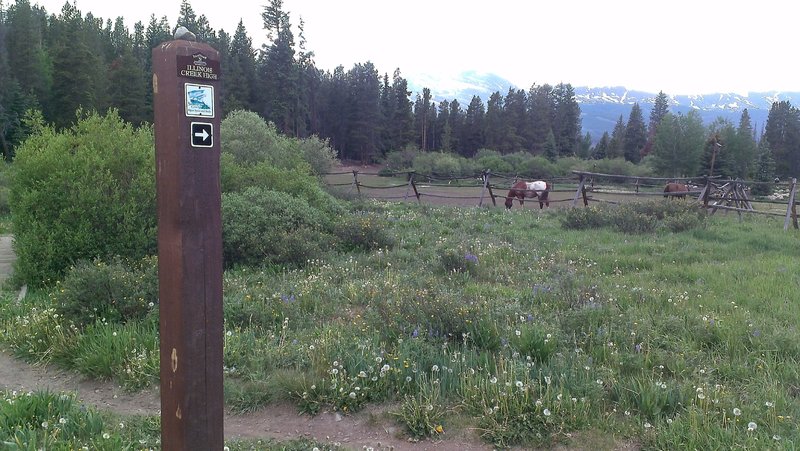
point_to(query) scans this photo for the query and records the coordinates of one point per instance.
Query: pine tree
(551, 147)
(567, 123)
(74, 65)
(240, 74)
(472, 133)
(765, 170)
(518, 124)
(402, 123)
(456, 120)
(617, 142)
(278, 70)
(601, 149)
(495, 123)
(542, 116)
(28, 60)
(364, 117)
(186, 17)
(585, 146)
(745, 152)
(424, 112)
(635, 135)
(660, 109)
(782, 132)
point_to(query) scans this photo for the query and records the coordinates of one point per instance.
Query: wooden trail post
(186, 92)
(355, 182)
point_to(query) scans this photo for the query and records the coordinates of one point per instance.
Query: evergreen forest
(57, 63)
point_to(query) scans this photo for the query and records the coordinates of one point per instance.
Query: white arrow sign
(202, 134)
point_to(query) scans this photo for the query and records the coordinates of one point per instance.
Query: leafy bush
(442, 164)
(538, 167)
(317, 153)
(117, 291)
(237, 178)
(250, 139)
(401, 160)
(636, 217)
(363, 231)
(82, 193)
(264, 226)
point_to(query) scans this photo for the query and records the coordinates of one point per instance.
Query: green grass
(528, 332)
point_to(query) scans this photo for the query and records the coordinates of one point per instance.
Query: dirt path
(369, 428)
(366, 429)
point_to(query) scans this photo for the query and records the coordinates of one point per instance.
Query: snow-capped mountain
(601, 107)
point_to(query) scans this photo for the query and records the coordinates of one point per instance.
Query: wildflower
(352, 395)
(736, 411)
(229, 333)
(769, 404)
(62, 420)
(493, 380)
(106, 435)
(701, 396)
(518, 333)
(435, 368)
(439, 429)
(546, 412)
(519, 384)
(647, 425)
(362, 374)
(776, 437)
(45, 424)
(751, 426)
(547, 380)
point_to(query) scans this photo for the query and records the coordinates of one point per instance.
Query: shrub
(317, 153)
(118, 291)
(636, 217)
(401, 160)
(363, 231)
(82, 193)
(442, 164)
(298, 183)
(537, 167)
(264, 226)
(250, 139)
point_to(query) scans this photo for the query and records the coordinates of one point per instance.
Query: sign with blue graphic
(199, 100)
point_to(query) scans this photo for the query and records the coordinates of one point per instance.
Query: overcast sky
(680, 47)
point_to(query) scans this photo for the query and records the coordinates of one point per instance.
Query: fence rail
(714, 193)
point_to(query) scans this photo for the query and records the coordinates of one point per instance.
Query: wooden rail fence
(713, 193)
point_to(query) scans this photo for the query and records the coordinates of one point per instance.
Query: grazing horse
(521, 190)
(676, 190)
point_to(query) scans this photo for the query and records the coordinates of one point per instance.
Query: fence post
(410, 182)
(581, 189)
(791, 211)
(485, 186)
(416, 193)
(585, 199)
(355, 182)
(637, 185)
(706, 192)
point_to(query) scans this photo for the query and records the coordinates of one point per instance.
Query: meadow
(654, 325)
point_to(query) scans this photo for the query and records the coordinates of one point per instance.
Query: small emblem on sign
(199, 59)
(202, 134)
(199, 100)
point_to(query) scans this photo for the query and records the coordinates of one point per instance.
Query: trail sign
(202, 134)
(189, 244)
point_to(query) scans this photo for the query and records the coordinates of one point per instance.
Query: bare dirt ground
(367, 429)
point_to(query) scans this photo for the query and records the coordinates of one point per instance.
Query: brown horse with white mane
(522, 189)
(676, 190)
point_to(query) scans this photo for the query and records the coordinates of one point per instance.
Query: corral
(585, 187)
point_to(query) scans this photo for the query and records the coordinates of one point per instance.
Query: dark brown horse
(676, 190)
(521, 190)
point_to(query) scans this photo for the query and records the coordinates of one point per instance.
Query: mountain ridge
(601, 107)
